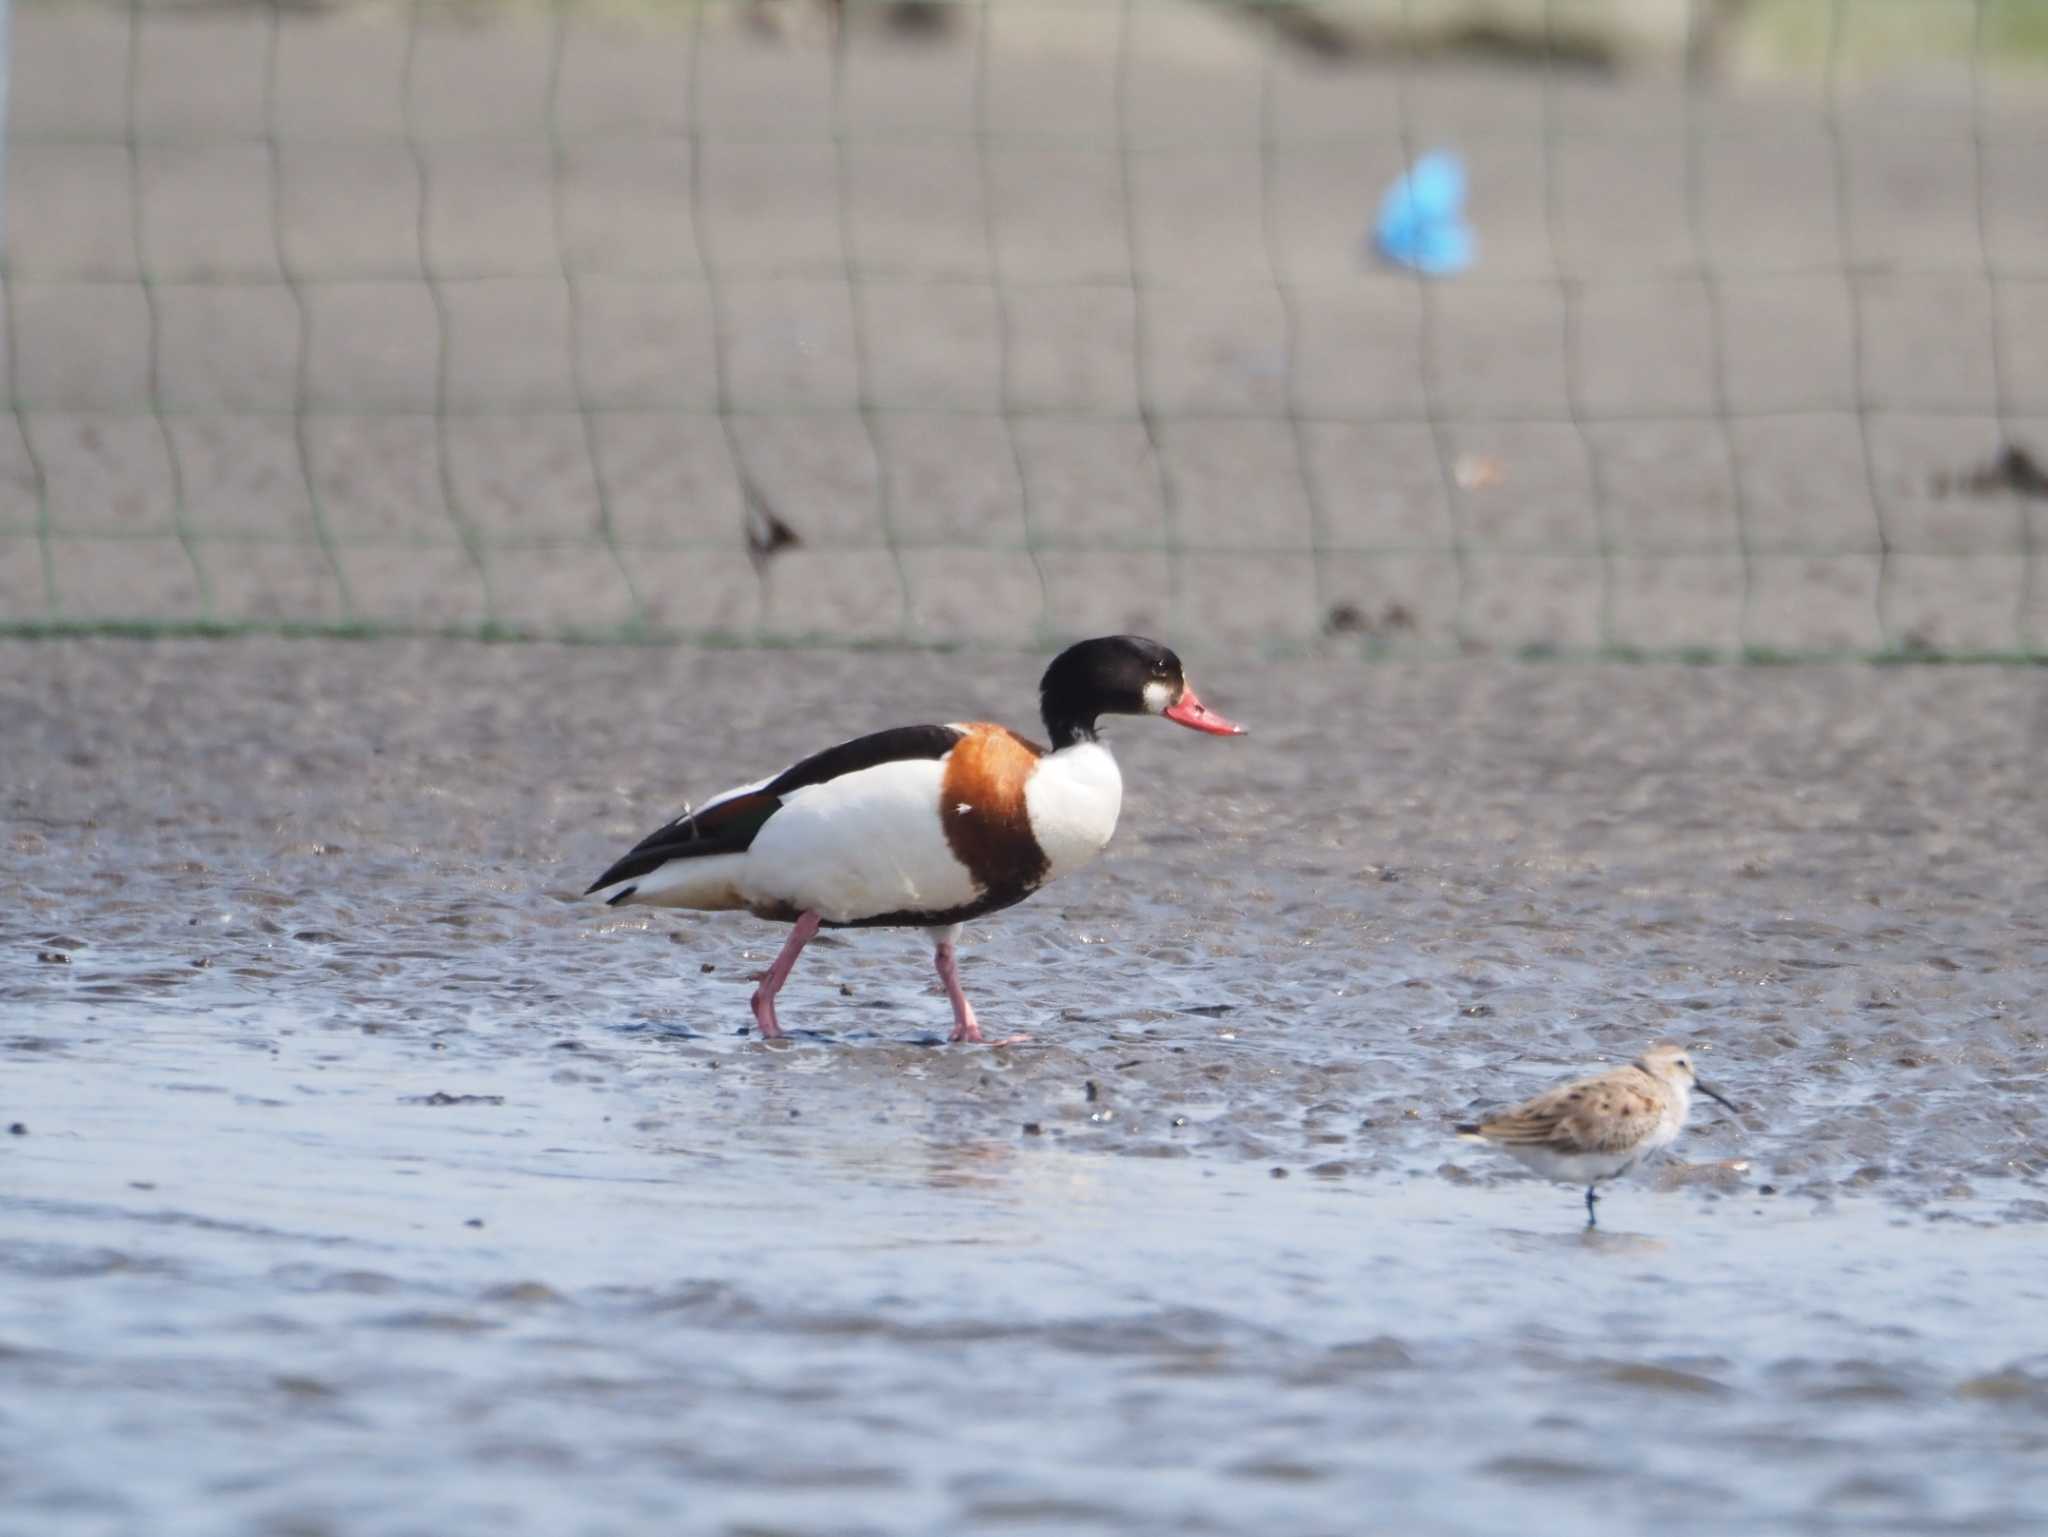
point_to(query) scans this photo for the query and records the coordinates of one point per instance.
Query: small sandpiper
(1599, 1128)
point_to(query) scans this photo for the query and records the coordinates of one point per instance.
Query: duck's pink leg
(772, 980)
(965, 1027)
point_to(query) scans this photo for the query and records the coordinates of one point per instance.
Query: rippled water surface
(362, 1183)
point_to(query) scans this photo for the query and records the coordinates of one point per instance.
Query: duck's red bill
(1191, 712)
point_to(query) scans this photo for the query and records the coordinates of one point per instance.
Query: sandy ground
(387, 317)
(366, 1184)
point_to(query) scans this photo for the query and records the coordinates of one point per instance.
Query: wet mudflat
(366, 1185)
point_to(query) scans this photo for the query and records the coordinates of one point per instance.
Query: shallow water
(366, 1185)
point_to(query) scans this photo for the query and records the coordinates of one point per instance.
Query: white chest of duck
(1073, 801)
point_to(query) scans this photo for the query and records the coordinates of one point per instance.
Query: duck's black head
(1120, 675)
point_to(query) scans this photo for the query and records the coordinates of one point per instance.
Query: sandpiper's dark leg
(1592, 1199)
(772, 979)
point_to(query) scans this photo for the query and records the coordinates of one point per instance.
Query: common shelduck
(1599, 1128)
(920, 826)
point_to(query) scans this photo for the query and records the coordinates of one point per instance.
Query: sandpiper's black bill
(1717, 1099)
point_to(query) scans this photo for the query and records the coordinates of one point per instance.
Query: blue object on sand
(1421, 223)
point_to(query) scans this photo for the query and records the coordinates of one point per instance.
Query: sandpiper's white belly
(1576, 1168)
(1584, 1168)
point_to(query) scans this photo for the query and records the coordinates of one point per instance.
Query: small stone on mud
(474, 1222)
(17, 1129)
(53, 957)
(1180, 1120)
(846, 989)
(1032, 1129)
(707, 968)
(1278, 1173)
(1089, 1088)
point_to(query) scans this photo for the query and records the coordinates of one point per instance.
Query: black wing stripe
(651, 855)
(865, 752)
(700, 836)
